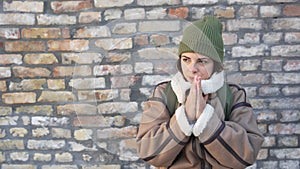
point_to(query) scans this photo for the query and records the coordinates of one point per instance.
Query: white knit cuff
(183, 122)
(202, 121)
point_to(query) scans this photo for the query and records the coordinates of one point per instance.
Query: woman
(200, 132)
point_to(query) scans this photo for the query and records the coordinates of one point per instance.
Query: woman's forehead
(194, 55)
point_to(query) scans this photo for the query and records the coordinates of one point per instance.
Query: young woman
(212, 125)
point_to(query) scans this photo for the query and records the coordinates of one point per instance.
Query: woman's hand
(195, 102)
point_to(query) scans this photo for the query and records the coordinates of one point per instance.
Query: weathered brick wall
(74, 75)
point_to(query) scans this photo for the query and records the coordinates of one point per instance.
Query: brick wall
(74, 75)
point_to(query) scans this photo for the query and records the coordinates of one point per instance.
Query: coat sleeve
(159, 137)
(239, 139)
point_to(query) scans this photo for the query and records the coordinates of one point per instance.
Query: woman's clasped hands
(195, 101)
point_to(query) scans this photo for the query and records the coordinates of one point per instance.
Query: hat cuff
(183, 48)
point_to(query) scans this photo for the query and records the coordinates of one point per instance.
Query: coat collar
(180, 85)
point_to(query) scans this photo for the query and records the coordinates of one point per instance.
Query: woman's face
(194, 64)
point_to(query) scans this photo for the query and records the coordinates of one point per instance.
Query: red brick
(123, 81)
(92, 32)
(88, 17)
(102, 70)
(40, 58)
(114, 43)
(291, 10)
(42, 33)
(56, 84)
(141, 40)
(43, 110)
(87, 83)
(70, 6)
(126, 132)
(181, 12)
(117, 57)
(163, 67)
(225, 13)
(78, 109)
(250, 78)
(24, 46)
(20, 71)
(117, 107)
(3, 86)
(229, 38)
(91, 121)
(19, 98)
(81, 58)
(66, 33)
(61, 71)
(68, 45)
(28, 85)
(159, 40)
(56, 96)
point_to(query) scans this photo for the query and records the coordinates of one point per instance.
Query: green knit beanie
(204, 37)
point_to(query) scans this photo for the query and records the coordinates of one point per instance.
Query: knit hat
(204, 37)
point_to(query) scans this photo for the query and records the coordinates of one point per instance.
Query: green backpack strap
(171, 99)
(226, 98)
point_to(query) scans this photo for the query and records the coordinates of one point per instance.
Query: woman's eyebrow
(203, 58)
(185, 56)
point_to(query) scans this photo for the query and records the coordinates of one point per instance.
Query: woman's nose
(194, 68)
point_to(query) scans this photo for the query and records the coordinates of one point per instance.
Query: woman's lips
(191, 79)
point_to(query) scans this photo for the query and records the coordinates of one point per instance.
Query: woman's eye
(203, 61)
(185, 59)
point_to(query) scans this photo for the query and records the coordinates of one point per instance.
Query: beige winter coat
(172, 142)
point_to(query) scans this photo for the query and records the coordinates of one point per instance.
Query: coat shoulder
(160, 88)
